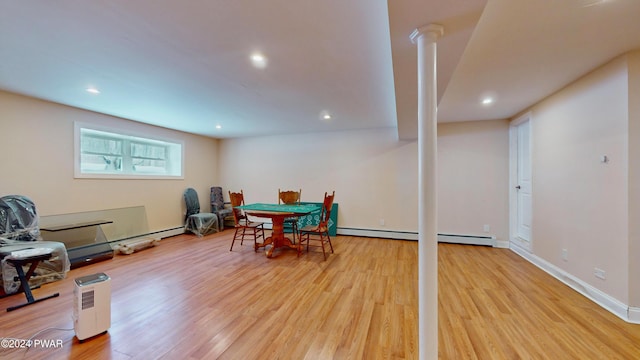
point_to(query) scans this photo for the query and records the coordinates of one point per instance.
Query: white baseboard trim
(634, 315)
(609, 303)
(502, 244)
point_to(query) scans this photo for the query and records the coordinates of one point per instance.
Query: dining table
(277, 213)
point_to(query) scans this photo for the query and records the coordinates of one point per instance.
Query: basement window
(108, 153)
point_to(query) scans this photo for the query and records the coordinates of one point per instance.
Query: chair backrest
(217, 200)
(289, 197)
(18, 218)
(192, 202)
(237, 199)
(326, 210)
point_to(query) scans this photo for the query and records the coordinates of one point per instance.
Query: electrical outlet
(599, 273)
(487, 228)
(381, 222)
(565, 254)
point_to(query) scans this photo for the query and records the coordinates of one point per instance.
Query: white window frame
(175, 154)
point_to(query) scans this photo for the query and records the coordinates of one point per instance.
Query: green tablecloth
(298, 209)
(312, 218)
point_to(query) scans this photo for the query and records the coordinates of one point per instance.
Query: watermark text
(13, 343)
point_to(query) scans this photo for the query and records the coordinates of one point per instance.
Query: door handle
(518, 187)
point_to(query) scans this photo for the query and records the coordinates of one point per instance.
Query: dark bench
(32, 261)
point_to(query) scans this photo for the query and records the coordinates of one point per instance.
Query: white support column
(425, 37)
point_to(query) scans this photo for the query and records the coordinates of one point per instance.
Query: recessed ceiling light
(218, 126)
(259, 60)
(325, 115)
(487, 101)
(93, 90)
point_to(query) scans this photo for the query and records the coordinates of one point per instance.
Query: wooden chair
(244, 226)
(290, 198)
(320, 232)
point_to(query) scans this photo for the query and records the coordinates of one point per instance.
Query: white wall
(579, 203)
(634, 178)
(473, 178)
(37, 161)
(375, 175)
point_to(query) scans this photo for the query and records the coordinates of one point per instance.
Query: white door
(521, 175)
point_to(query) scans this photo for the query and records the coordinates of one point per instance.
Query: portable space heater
(92, 305)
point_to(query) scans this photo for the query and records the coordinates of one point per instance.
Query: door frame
(513, 181)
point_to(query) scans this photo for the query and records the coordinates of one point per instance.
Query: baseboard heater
(467, 239)
(377, 233)
(408, 235)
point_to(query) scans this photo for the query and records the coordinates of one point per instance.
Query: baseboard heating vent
(467, 239)
(377, 233)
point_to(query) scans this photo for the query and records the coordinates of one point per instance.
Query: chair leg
(294, 228)
(300, 241)
(324, 254)
(243, 234)
(211, 228)
(235, 234)
(329, 241)
(255, 239)
(322, 237)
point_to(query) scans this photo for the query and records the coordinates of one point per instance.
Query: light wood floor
(190, 298)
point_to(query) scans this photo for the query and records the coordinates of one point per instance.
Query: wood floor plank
(192, 298)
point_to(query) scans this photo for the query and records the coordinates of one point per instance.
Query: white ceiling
(185, 64)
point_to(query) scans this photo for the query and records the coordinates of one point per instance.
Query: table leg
(277, 237)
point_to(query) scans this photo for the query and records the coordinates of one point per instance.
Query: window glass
(115, 154)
